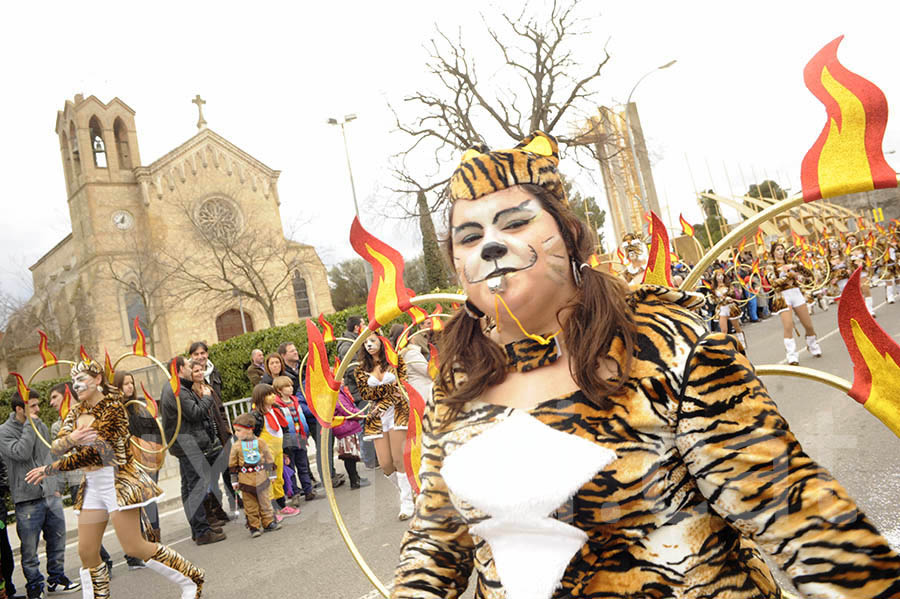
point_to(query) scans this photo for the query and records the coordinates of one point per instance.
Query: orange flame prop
(659, 266)
(152, 406)
(686, 227)
(594, 261)
(388, 297)
(84, 356)
(21, 387)
(620, 254)
(847, 156)
(436, 323)
(108, 368)
(434, 366)
(740, 248)
(389, 353)
(140, 343)
(66, 404)
(174, 380)
(796, 239)
(418, 314)
(321, 388)
(47, 356)
(860, 224)
(412, 449)
(760, 238)
(337, 363)
(327, 327)
(403, 341)
(880, 228)
(875, 356)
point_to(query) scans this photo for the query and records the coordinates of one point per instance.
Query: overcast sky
(734, 103)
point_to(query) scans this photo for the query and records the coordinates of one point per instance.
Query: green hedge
(232, 357)
(48, 414)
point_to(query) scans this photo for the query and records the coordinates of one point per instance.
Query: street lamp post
(347, 118)
(634, 156)
(240, 296)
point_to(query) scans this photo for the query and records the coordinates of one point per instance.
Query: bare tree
(541, 84)
(145, 276)
(236, 260)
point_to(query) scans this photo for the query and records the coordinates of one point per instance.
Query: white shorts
(726, 311)
(100, 491)
(793, 297)
(387, 424)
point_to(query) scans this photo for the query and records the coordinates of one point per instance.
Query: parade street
(307, 558)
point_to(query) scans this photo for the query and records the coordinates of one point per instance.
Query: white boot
(890, 292)
(742, 340)
(790, 346)
(177, 569)
(812, 344)
(407, 505)
(869, 305)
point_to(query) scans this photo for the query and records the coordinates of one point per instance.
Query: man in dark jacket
(195, 440)
(256, 370)
(355, 326)
(6, 554)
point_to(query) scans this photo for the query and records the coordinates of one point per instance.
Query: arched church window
(135, 307)
(97, 145)
(219, 218)
(122, 151)
(229, 324)
(301, 295)
(76, 157)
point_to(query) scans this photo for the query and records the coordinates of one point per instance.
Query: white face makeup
(372, 345)
(505, 243)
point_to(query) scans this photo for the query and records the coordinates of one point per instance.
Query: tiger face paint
(505, 243)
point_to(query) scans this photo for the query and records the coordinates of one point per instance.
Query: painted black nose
(493, 251)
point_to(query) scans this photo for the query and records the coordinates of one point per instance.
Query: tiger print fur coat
(706, 472)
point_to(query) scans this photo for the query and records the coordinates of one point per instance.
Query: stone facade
(146, 226)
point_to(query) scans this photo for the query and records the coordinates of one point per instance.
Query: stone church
(191, 244)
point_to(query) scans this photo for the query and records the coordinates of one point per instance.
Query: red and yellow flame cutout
(140, 343)
(759, 238)
(21, 387)
(403, 341)
(412, 449)
(321, 388)
(388, 297)
(434, 366)
(847, 156)
(620, 255)
(47, 356)
(84, 355)
(875, 356)
(741, 245)
(174, 380)
(436, 323)
(327, 327)
(108, 368)
(594, 261)
(389, 353)
(418, 314)
(659, 266)
(686, 227)
(66, 404)
(152, 406)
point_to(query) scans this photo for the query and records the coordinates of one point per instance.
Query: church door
(228, 324)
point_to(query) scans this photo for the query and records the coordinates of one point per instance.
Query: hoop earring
(576, 272)
(472, 310)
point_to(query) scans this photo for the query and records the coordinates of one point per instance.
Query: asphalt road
(308, 559)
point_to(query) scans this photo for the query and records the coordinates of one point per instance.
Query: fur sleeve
(110, 448)
(754, 473)
(436, 555)
(62, 443)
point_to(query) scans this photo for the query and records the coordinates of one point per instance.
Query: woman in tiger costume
(727, 308)
(379, 383)
(890, 265)
(858, 256)
(789, 299)
(94, 437)
(602, 443)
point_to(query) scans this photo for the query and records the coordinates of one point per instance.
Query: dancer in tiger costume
(890, 265)
(727, 308)
(786, 279)
(636, 259)
(94, 437)
(858, 256)
(602, 443)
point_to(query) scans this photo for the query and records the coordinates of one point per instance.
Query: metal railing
(235, 408)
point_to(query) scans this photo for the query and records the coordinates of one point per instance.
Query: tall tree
(348, 283)
(768, 189)
(541, 84)
(713, 222)
(587, 210)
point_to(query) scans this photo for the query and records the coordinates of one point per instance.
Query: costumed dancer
(95, 438)
(785, 279)
(727, 308)
(890, 265)
(648, 432)
(839, 268)
(858, 256)
(636, 257)
(252, 468)
(379, 384)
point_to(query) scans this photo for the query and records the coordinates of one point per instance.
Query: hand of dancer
(36, 475)
(83, 435)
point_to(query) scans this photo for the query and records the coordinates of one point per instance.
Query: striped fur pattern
(100, 581)
(533, 160)
(708, 472)
(113, 448)
(172, 559)
(382, 398)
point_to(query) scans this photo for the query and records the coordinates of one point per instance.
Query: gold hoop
(326, 432)
(28, 386)
(162, 432)
(166, 445)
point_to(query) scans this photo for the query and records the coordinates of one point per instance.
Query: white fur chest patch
(519, 472)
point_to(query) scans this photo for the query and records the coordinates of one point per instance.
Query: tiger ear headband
(534, 160)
